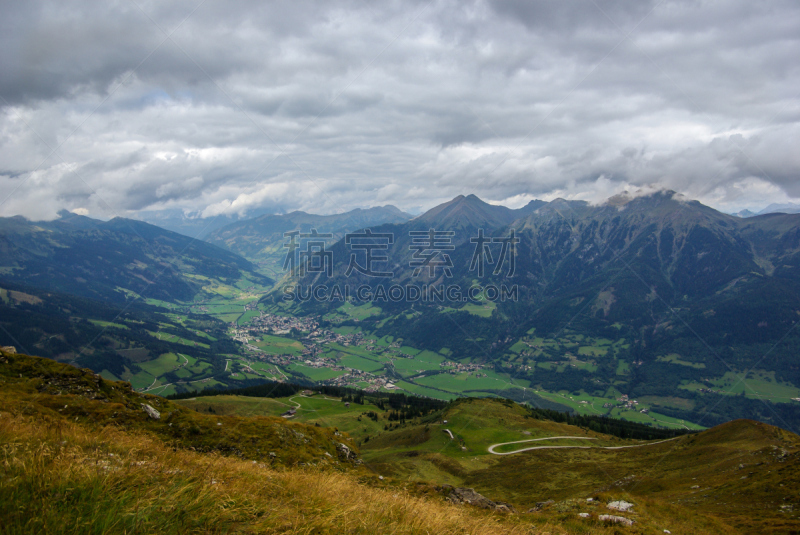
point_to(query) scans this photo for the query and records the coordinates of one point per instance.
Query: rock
(461, 495)
(540, 505)
(151, 412)
(583, 515)
(616, 519)
(345, 452)
(504, 507)
(9, 349)
(620, 505)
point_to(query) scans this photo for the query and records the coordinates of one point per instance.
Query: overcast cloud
(109, 108)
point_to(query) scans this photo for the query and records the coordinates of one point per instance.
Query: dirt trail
(493, 446)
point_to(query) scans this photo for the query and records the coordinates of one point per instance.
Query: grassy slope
(63, 477)
(659, 479)
(69, 470)
(747, 473)
(322, 410)
(46, 388)
(79, 456)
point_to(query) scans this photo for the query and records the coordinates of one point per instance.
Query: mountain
(784, 208)
(466, 213)
(262, 239)
(677, 248)
(112, 260)
(402, 248)
(469, 213)
(191, 224)
(654, 296)
(744, 213)
(176, 221)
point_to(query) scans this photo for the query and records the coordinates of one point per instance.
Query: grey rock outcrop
(345, 452)
(461, 495)
(540, 505)
(616, 519)
(151, 412)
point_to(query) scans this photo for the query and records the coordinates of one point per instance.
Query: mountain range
(262, 240)
(774, 208)
(114, 260)
(695, 298)
(655, 297)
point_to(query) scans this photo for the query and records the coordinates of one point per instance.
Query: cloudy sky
(211, 107)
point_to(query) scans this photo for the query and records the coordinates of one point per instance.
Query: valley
(588, 337)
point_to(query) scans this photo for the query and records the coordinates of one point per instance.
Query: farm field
(278, 345)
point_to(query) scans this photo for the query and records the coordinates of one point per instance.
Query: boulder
(540, 505)
(461, 495)
(151, 412)
(345, 452)
(616, 519)
(620, 505)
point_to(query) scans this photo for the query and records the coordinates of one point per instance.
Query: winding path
(493, 446)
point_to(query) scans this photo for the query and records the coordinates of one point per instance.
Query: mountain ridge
(108, 259)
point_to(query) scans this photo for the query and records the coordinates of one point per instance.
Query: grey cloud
(326, 106)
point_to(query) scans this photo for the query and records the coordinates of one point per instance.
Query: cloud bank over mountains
(224, 108)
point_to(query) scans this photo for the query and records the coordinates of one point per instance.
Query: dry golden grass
(60, 477)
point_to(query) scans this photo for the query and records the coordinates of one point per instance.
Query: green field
(483, 310)
(100, 323)
(247, 316)
(166, 362)
(361, 363)
(415, 365)
(463, 382)
(175, 339)
(279, 346)
(674, 358)
(315, 374)
(759, 384)
(420, 390)
(359, 312)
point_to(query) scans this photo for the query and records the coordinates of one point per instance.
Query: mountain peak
(467, 212)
